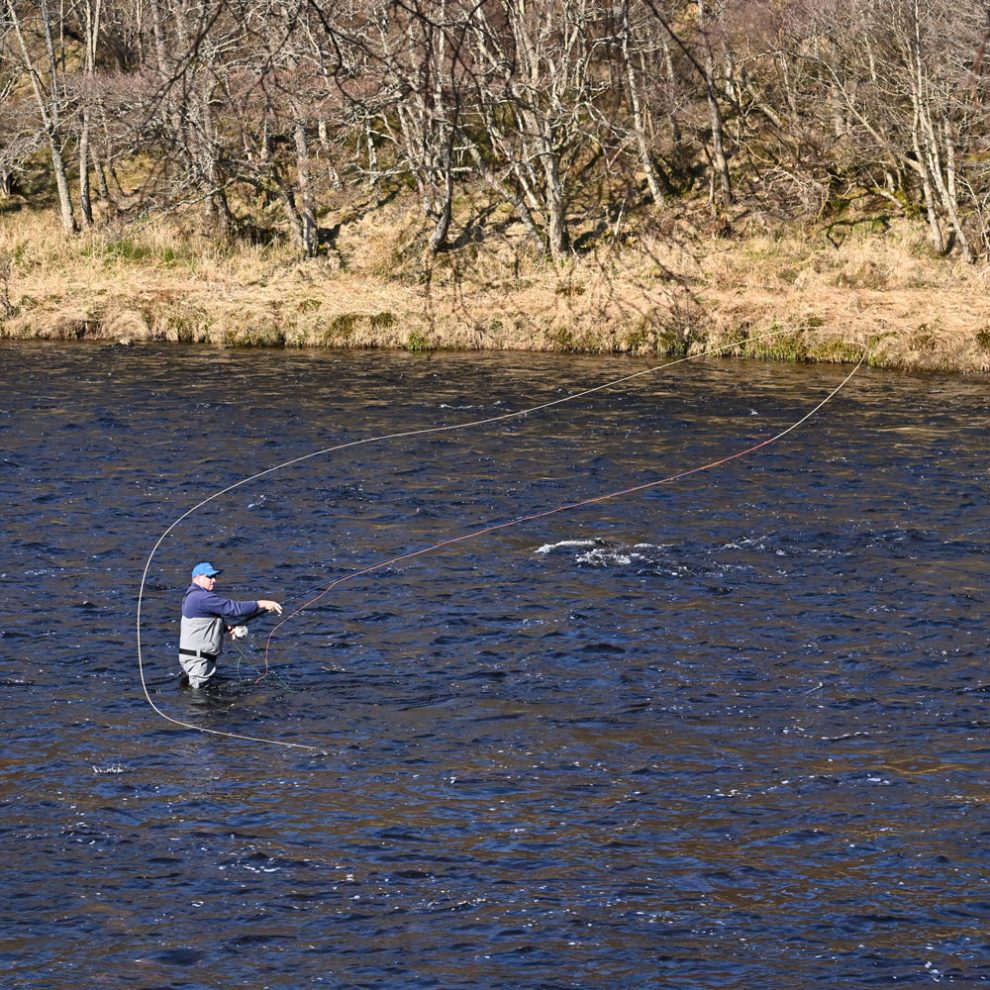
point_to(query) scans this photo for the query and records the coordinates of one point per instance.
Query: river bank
(669, 290)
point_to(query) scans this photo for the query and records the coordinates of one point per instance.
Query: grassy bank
(666, 290)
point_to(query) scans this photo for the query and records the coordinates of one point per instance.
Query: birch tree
(91, 15)
(634, 69)
(700, 57)
(192, 39)
(38, 31)
(896, 70)
(421, 50)
(537, 90)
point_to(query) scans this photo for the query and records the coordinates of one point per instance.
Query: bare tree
(701, 58)
(632, 62)
(38, 30)
(537, 93)
(556, 107)
(192, 41)
(421, 49)
(91, 15)
(895, 70)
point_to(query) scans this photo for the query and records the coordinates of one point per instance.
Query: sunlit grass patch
(667, 291)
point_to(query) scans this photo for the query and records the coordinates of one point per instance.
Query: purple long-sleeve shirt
(199, 603)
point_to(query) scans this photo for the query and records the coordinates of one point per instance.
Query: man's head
(205, 575)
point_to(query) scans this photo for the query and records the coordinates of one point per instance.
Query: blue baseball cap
(205, 570)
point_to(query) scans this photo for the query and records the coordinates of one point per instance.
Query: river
(730, 732)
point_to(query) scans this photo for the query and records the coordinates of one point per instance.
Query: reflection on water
(729, 733)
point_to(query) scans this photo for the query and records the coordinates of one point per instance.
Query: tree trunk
(635, 104)
(85, 197)
(373, 170)
(101, 182)
(438, 240)
(324, 135)
(557, 234)
(935, 229)
(308, 233)
(668, 64)
(952, 195)
(92, 16)
(719, 158)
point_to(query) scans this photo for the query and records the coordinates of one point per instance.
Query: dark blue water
(731, 733)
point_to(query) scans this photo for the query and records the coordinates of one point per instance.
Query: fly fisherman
(205, 618)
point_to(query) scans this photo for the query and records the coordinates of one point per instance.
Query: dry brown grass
(376, 288)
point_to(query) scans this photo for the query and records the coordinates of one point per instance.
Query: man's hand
(270, 606)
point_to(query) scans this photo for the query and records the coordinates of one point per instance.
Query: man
(205, 618)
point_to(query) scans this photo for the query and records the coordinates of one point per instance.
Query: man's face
(205, 582)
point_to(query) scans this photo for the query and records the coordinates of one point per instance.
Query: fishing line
(403, 434)
(249, 661)
(595, 500)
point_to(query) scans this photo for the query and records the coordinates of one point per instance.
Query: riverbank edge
(784, 296)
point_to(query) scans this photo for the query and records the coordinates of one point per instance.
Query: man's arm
(233, 612)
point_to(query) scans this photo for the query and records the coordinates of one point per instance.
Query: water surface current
(727, 733)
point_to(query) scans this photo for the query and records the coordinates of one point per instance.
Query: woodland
(569, 125)
(564, 111)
